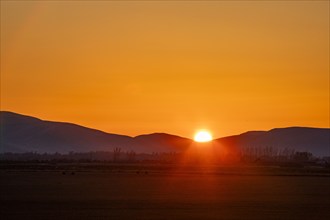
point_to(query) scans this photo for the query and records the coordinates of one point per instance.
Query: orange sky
(177, 66)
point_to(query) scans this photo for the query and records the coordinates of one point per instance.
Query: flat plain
(162, 192)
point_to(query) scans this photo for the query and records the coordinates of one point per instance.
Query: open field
(163, 192)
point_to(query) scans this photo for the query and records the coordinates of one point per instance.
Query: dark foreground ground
(151, 192)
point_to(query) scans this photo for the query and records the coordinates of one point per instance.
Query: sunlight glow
(203, 136)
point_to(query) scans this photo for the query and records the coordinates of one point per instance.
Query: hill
(314, 140)
(21, 133)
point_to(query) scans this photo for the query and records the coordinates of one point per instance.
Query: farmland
(156, 191)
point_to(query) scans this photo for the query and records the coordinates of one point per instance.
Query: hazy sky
(134, 67)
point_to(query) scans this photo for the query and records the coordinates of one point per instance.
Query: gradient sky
(135, 67)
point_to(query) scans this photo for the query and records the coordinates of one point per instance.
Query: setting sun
(203, 136)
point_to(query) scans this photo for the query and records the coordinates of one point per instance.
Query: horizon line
(157, 132)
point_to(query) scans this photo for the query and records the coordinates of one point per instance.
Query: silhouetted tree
(130, 156)
(116, 154)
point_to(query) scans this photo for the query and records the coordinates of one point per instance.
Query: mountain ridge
(22, 133)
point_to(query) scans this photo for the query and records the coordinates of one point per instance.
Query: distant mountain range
(20, 133)
(302, 139)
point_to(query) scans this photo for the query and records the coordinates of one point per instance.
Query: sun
(203, 136)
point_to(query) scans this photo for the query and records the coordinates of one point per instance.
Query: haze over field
(135, 67)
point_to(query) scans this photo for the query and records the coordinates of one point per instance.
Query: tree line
(117, 155)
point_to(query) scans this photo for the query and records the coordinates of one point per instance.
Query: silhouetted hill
(314, 140)
(20, 133)
(163, 142)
